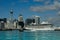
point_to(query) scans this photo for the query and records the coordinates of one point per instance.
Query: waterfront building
(15, 23)
(9, 25)
(3, 19)
(28, 21)
(2, 22)
(20, 18)
(34, 20)
(20, 21)
(2, 25)
(37, 20)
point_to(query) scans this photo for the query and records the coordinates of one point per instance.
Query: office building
(20, 18)
(20, 21)
(2, 25)
(28, 21)
(2, 22)
(37, 20)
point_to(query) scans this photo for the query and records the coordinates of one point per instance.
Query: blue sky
(46, 9)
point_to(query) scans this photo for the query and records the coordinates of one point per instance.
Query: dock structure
(5, 29)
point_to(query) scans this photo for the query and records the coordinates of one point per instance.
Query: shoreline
(32, 29)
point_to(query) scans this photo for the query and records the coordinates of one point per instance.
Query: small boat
(57, 30)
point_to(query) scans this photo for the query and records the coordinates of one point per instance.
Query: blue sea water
(29, 35)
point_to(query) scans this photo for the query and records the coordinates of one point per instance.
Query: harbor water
(29, 35)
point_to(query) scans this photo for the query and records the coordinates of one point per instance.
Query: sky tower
(11, 15)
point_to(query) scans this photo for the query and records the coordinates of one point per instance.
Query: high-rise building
(2, 25)
(15, 24)
(20, 22)
(3, 19)
(34, 20)
(2, 22)
(20, 18)
(28, 21)
(37, 19)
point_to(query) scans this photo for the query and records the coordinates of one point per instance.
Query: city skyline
(46, 9)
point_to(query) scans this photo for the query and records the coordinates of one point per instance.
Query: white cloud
(45, 1)
(23, 0)
(42, 8)
(57, 4)
(54, 6)
(58, 13)
(56, 0)
(38, 0)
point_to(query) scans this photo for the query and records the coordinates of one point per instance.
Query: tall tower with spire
(11, 15)
(10, 22)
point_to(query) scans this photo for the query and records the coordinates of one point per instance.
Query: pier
(6, 29)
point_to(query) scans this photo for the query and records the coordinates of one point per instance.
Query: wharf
(29, 28)
(22, 29)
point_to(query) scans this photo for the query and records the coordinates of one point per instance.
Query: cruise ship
(43, 26)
